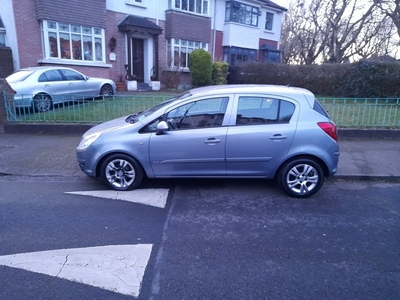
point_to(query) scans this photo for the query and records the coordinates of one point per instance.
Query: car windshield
(20, 75)
(143, 114)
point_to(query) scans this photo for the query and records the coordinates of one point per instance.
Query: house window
(73, 42)
(269, 21)
(179, 50)
(139, 3)
(234, 56)
(195, 6)
(241, 13)
(2, 38)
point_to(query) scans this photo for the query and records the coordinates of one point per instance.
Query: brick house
(105, 38)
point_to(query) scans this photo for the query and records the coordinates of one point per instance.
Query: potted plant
(120, 82)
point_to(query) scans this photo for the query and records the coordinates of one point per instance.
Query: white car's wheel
(106, 90)
(42, 103)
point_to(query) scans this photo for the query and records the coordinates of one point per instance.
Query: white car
(41, 87)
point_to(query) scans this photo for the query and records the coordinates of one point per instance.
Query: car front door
(79, 86)
(261, 137)
(195, 143)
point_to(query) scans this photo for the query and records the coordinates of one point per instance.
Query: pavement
(54, 155)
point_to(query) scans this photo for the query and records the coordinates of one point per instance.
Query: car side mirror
(162, 127)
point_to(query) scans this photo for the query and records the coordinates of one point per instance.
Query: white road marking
(152, 197)
(117, 268)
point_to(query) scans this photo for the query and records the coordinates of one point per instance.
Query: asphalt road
(214, 239)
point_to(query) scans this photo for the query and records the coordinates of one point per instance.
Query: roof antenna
(288, 85)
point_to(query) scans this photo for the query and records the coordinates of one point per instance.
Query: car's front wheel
(42, 103)
(121, 172)
(106, 90)
(301, 178)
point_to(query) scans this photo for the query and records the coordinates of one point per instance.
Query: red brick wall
(187, 26)
(118, 67)
(28, 33)
(6, 62)
(218, 55)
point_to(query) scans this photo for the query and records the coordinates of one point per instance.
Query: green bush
(220, 72)
(364, 79)
(200, 66)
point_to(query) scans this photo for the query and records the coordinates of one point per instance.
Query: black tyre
(42, 103)
(106, 90)
(121, 172)
(301, 178)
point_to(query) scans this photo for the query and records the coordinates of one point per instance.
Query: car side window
(52, 75)
(198, 114)
(72, 75)
(261, 110)
(257, 110)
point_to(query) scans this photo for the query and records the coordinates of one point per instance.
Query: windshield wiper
(132, 118)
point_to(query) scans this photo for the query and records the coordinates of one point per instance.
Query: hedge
(364, 79)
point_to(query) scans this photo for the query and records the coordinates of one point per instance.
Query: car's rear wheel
(42, 103)
(301, 178)
(106, 90)
(121, 172)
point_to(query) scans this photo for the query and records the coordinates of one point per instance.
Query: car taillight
(330, 129)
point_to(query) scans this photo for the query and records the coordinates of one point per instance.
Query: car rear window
(318, 108)
(19, 75)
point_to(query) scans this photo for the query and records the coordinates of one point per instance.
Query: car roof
(42, 68)
(252, 88)
(281, 90)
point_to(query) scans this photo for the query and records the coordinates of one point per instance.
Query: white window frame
(96, 34)
(184, 5)
(269, 19)
(242, 13)
(139, 3)
(183, 46)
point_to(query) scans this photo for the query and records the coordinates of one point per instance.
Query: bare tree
(391, 8)
(303, 35)
(334, 31)
(346, 19)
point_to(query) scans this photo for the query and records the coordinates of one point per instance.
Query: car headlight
(86, 141)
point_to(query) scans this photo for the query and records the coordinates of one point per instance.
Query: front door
(195, 145)
(137, 59)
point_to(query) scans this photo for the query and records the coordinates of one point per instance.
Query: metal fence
(350, 113)
(363, 113)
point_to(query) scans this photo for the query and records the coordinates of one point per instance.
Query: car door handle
(212, 141)
(278, 137)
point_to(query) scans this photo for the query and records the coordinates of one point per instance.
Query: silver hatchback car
(232, 131)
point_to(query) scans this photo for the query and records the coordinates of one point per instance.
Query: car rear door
(51, 82)
(261, 136)
(195, 144)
